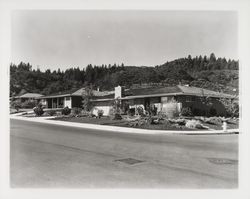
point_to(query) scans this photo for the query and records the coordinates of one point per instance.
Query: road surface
(52, 156)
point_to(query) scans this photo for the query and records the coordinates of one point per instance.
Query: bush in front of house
(66, 111)
(76, 111)
(213, 120)
(38, 110)
(51, 112)
(140, 111)
(100, 113)
(29, 104)
(162, 115)
(186, 111)
(131, 112)
(212, 112)
(117, 116)
(16, 105)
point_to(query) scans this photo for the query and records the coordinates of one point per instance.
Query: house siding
(198, 107)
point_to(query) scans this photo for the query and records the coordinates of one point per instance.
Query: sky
(75, 38)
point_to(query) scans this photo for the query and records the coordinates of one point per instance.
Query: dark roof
(29, 95)
(173, 90)
(145, 92)
(61, 93)
(152, 90)
(104, 97)
(79, 92)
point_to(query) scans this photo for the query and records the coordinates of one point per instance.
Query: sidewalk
(119, 129)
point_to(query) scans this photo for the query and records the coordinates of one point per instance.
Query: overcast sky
(62, 39)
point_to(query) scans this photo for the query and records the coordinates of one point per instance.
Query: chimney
(119, 91)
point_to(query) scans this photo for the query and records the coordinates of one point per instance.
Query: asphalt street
(52, 156)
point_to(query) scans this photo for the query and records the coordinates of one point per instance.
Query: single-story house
(170, 100)
(28, 96)
(73, 99)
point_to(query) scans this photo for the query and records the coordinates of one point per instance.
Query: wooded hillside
(210, 72)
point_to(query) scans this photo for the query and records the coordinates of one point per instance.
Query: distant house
(28, 96)
(73, 99)
(170, 100)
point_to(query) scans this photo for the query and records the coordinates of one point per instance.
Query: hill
(213, 73)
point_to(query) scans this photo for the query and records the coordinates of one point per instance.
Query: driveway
(46, 155)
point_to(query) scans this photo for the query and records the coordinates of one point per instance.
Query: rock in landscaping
(192, 124)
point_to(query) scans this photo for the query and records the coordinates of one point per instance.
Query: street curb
(122, 129)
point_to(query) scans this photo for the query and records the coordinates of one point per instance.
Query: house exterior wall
(68, 102)
(76, 102)
(170, 106)
(106, 106)
(199, 107)
(106, 110)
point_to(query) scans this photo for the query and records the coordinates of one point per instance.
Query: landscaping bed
(164, 124)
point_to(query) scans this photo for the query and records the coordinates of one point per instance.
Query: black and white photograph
(124, 99)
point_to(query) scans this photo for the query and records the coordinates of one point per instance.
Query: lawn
(162, 125)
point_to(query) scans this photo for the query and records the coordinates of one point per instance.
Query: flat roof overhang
(174, 94)
(55, 96)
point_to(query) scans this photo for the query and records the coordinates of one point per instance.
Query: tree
(212, 58)
(16, 104)
(87, 96)
(231, 106)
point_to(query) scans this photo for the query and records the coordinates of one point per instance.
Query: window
(188, 98)
(67, 98)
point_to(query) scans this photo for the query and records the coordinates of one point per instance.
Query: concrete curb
(121, 129)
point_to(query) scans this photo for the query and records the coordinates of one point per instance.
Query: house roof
(61, 94)
(29, 95)
(173, 90)
(79, 92)
(144, 92)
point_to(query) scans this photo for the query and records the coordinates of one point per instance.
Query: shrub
(16, 105)
(140, 111)
(213, 120)
(197, 112)
(162, 115)
(186, 111)
(76, 111)
(38, 110)
(231, 106)
(66, 111)
(87, 97)
(100, 113)
(153, 120)
(180, 122)
(29, 104)
(152, 110)
(51, 112)
(84, 113)
(117, 116)
(131, 112)
(212, 112)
